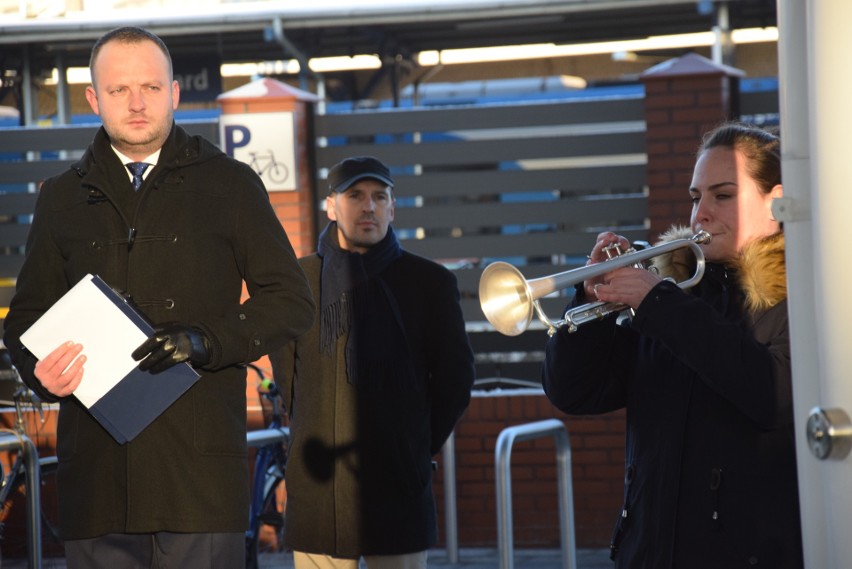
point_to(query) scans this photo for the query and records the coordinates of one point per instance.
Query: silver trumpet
(509, 300)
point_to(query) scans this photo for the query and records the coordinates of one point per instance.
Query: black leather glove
(172, 344)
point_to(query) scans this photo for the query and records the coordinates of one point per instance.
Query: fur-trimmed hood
(760, 267)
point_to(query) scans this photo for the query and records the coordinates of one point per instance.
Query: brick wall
(597, 458)
(295, 210)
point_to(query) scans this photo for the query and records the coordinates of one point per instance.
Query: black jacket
(359, 474)
(710, 455)
(201, 225)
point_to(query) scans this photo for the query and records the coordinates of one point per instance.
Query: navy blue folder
(140, 397)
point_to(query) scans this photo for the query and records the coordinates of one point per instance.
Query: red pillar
(270, 118)
(684, 98)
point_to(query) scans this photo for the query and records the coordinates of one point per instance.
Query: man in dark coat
(374, 388)
(179, 248)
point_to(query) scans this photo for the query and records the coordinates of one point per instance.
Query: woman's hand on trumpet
(627, 285)
(598, 255)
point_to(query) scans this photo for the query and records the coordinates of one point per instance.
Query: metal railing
(264, 437)
(503, 480)
(23, 444)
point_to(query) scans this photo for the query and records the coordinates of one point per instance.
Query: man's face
(363, 213)
(133, 93)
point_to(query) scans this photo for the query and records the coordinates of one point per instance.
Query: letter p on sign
(235, 137)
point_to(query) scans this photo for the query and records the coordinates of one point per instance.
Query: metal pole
(503, 484)
(450, 507)
(63, 97)
(27, 95)
(566, 498)
(33, 482)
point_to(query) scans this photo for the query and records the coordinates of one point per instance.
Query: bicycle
(278, 171)
(268, 493)
(13, 392)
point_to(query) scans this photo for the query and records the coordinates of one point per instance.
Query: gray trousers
(162, 550)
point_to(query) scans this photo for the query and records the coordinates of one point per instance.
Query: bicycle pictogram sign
(265, 163)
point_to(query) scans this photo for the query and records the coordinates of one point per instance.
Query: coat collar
(180, 149)
(760, 268)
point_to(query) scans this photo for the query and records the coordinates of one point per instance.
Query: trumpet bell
(506, 298)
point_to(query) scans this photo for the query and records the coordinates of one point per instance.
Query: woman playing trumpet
(704, 376)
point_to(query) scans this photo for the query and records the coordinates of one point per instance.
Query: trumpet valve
(613, 250)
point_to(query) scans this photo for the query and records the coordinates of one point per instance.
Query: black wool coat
(705, 378)
(359, 474)
(201, 226)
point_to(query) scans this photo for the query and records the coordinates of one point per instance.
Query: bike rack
(503, 480)
(24, 444)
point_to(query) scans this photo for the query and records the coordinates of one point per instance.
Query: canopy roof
(258, 31)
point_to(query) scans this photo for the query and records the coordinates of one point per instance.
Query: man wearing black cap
(374, 388)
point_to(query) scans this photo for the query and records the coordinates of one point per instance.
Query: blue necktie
(137, 169)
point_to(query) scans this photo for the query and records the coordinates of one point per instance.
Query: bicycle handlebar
(268, 389)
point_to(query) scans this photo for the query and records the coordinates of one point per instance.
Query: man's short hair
(127, 34)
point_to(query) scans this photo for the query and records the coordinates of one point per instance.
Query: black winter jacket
(705, 377)
(180, 249)
(359, 474)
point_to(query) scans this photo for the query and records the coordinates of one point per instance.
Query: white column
(816, 124)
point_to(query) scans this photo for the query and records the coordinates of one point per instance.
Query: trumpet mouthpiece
(702, 237)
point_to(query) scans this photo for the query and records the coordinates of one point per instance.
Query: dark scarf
(355, 300)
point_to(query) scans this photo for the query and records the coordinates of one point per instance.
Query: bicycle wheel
(278, 172)
(269, 537)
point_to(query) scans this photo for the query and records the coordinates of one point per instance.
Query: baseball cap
(346, 172)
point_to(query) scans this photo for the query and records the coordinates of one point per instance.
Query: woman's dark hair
(761, 147)
(127, 34)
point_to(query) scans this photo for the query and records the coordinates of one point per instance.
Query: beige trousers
(315, 561)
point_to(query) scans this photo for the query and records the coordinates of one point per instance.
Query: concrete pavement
(485, 558)
(469, 558)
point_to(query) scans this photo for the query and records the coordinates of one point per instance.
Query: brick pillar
(267, 118)
(684, 98)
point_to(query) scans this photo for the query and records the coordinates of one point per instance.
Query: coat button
(256, 342)
(242, 316)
